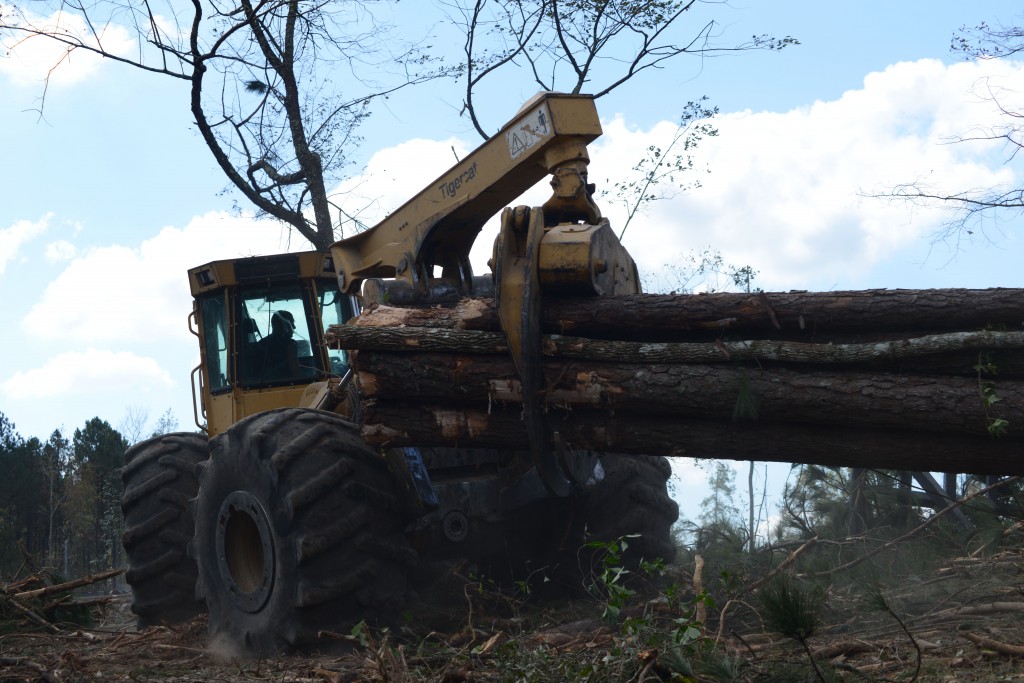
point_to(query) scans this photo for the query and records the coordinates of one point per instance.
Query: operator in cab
(277, 355)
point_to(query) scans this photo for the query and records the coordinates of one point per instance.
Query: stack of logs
(925, 380)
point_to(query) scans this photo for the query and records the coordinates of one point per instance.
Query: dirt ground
(962, 622)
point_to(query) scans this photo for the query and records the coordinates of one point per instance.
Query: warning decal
(528, 131)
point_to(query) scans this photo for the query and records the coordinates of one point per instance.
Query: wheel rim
(245, 551)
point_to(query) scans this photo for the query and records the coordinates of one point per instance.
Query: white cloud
(60, 251)
(30, 59)
(123, 294)
(786, 190)
(88, 372)
(392, 176)
(14, 237)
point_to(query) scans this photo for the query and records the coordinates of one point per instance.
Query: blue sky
(108, 199)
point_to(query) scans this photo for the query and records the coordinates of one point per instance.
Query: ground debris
(965, 625)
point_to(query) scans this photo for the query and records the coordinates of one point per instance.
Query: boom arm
(564, 246)
(438, 226)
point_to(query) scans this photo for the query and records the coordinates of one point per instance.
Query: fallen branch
(980, 610)
(995, 645)
(33, 617)
(844, 647)
(69, 585)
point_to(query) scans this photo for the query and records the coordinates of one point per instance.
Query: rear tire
(159, 481)
(631, 503)
(299, 529)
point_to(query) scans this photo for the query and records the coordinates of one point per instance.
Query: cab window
(274, 337)
(335, 308)
(213, 310)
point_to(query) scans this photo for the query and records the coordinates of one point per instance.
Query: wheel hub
(245, 551)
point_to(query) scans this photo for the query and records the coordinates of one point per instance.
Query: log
(959, 350)
(714, 391)
(417, 424)
(664, 317)
(741, 376)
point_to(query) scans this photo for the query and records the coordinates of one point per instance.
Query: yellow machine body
(575, 252)
(234, 304)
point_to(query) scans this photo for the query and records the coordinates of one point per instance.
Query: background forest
(60, 504)
(61, 498)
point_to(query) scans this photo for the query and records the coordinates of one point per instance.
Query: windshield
(274, 337)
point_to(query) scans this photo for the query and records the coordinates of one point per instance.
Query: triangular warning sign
(515, 145)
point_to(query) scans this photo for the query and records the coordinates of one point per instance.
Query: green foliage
(746, 401)
(680, 638)
(718, 508)
(816, 503)
(791, 610)
(996, 426)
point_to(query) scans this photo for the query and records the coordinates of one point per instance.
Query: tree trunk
(663, 317)
(950, 353)
(715, 391)
(419, 424)
(905, 379)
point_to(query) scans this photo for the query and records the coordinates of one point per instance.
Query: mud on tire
(159, 481)
(299, 529)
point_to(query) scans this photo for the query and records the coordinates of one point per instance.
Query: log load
(926, 380)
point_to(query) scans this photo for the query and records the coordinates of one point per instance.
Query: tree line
(60, 498)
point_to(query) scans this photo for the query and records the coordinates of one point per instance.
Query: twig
(643, 674)
(165, 646)
(721, 617)
(784, 564)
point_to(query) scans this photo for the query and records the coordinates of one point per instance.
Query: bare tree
(278, 88)
(578, 45)
(971, 207)
(664, 172)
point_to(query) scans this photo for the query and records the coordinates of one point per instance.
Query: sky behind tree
(109, 194)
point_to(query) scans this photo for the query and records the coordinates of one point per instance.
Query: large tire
(159, 481)
(631, 500)
(298, 529)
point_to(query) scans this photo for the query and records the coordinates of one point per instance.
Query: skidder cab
(261, 324)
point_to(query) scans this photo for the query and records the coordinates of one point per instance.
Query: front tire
(159, 481)
(299, 529)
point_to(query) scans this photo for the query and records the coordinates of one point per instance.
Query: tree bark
(929, 378)
(398, 424)
(664, 317)
(715, 391)
(951, 352)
